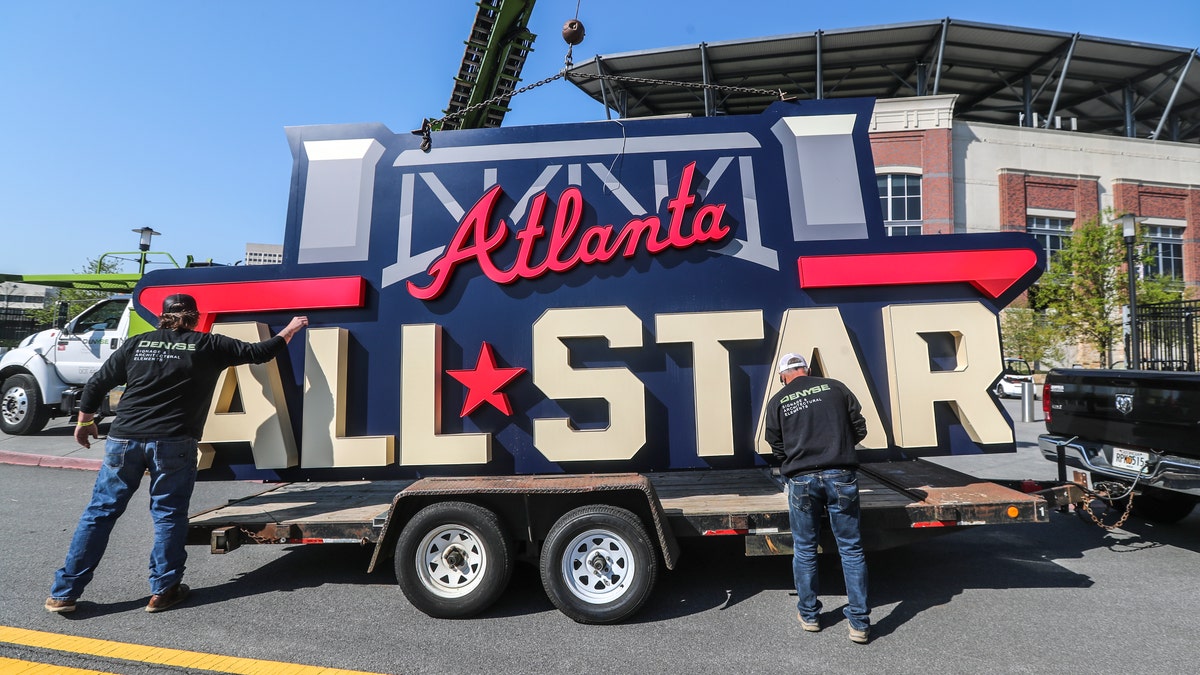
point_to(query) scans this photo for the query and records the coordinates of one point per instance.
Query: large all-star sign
(601, 296)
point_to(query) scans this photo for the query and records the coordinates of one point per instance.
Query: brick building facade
(977, 177)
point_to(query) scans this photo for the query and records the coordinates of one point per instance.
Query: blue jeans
(810, 496)
(172, 466)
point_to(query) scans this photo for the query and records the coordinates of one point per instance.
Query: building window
(1164, 244)
(1051, 233)
(900, 201)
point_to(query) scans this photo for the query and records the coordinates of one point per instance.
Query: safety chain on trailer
(1089, 497)
(1106, 491)
(259, 539)
(428, 126)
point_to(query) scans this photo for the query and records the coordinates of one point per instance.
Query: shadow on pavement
(916, 578)
(714, 574)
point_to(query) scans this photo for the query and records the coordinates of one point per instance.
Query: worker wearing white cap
(812, 425)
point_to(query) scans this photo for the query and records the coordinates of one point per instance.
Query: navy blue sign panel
(604, 296)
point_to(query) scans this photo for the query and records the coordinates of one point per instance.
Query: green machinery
(491, 66)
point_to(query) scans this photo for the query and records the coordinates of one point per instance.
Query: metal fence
(15, 325)
(1167, 335)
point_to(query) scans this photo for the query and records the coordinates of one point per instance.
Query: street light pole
(1129, 229)
(144, 245)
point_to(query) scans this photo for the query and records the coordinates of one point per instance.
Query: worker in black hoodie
(812, 425)
(169, 375)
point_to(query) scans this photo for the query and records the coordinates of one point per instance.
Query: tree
(77, 300)
(1085, 287)
(1030, 335)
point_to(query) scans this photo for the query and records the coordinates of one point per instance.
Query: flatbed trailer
(902, 502)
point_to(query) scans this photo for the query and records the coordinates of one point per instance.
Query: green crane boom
(491, 65)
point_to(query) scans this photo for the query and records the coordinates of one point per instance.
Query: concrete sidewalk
(54, 447)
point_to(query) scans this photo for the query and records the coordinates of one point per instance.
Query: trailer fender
(616, 489)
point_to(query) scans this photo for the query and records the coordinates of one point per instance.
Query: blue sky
(122, 114)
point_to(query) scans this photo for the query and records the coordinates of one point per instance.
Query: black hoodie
(169, 378)
(814, 423)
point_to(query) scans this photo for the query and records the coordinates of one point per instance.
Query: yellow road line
(16, 667)
(163, 656)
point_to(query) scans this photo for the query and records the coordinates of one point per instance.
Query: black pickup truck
(1130, 427)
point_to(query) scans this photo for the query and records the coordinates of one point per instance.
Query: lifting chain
(678, 83)
(428, 126)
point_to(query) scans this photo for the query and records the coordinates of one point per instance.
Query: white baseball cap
(790, 361)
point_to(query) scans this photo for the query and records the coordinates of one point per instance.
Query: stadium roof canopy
(1001, 74)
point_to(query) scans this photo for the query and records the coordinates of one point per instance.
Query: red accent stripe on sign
(722, 533)
(936, 523)
(241, 297)
(992, 271)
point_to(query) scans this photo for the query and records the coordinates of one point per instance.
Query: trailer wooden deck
(896, 497)
(753, 491)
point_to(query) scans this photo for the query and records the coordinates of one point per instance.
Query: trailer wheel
(453, 560)
(598, 565)
(1162, 509)
(21, 408)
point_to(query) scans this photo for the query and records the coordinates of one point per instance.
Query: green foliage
(1030, 335)
(77, 300)
(1085, 288)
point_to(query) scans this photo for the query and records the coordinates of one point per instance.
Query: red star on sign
(484, 383)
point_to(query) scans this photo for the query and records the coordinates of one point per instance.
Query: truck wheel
(21, 408)
(998, 391)
(598, 565)
(1162, 509)
(453, 560)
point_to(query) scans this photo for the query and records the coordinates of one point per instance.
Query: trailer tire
(453, 560)
(598, 565)
(21, 409)
(1162, 509)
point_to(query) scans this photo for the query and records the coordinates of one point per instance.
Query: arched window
(900, 201)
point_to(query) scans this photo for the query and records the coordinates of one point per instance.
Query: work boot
(58, 606)
(812, 627)
(860, 636)
(168, 598)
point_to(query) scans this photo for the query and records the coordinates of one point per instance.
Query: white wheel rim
(598, 567)
(451, 561)
(16, 405)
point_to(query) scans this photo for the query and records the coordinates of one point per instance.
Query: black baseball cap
(179, 302)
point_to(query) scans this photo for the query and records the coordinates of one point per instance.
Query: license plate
(1129, 460)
